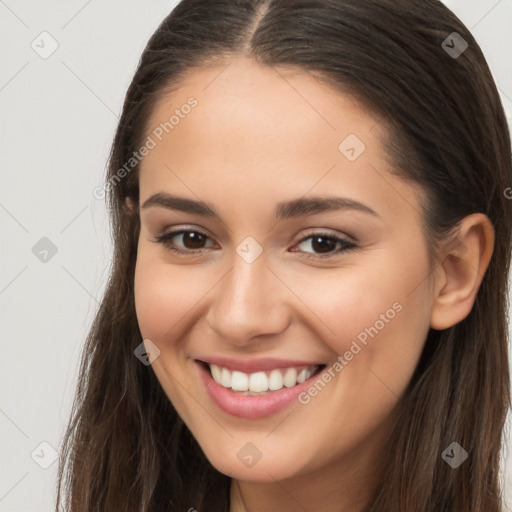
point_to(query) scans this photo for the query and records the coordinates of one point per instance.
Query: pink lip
(251, 407)
(256, 365)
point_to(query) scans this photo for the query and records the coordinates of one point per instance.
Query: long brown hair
(126, 449)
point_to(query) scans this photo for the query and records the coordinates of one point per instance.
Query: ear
(460, 271)
(130, 207)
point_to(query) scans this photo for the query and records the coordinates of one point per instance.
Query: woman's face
(300, 250)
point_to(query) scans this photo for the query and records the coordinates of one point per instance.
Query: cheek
(378, 321)
(375, 316)
(169, 298)
(164, 301)
(165, 295)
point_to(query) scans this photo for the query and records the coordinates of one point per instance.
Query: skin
(259, 136)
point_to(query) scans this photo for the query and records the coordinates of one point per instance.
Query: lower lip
(251, 407)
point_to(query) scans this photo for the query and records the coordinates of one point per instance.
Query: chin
(234, 461)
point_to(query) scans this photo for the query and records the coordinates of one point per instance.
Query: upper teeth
(260, 382)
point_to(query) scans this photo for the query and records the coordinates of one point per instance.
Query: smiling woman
(307, 304)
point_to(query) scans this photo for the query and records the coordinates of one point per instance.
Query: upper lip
(256, 365)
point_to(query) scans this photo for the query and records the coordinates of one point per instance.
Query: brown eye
(191, 240)
(324, 245)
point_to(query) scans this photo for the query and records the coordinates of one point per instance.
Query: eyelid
(345, 237)
(184, 229)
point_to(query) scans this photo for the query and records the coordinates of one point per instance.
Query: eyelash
(347, 245)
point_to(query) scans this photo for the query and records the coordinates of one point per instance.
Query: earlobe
(460, 271)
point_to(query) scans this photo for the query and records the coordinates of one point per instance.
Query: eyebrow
(284, 210)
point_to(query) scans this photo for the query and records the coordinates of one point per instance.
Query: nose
(250, 301)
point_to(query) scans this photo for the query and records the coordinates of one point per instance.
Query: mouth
(266, 390)
(262, 382)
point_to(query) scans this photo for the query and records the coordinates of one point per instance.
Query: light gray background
(57, 123)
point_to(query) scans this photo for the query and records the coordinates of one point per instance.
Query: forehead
(268, 131)
(265, 100)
